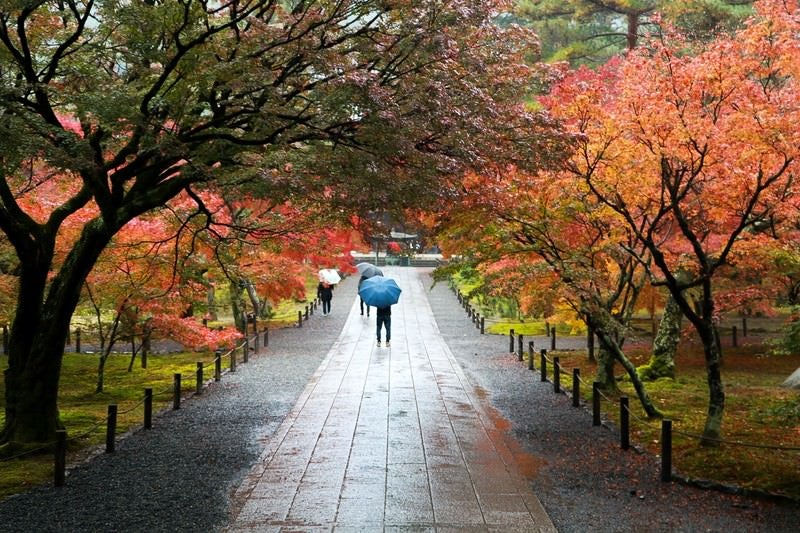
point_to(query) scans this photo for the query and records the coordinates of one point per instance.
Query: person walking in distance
(360, 281)
(384, 318)
(325, 294)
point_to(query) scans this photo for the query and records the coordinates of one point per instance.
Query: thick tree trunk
(605, 369)
(38, 335)
(665, 345)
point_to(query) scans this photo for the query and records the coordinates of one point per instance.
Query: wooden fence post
(543, 365)
(666, 450)
(519, 347)
(148, 408)
(60, 459)
(511, 341)
(553, 339)
(217, 365)
(556, 375)
(111, 428)
(176, 391)
(624, 423)
(531, 355)
(198, 388)
(596, 403)
(576, 387)
(299, 319)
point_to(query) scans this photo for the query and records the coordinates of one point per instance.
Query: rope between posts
(126, 411)
(28, 452)
(737, 443)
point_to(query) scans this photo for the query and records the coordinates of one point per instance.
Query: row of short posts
(304, 315)
(111, 418)
(474, 314)
(624, 407)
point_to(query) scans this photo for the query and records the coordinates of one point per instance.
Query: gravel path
(179, 475)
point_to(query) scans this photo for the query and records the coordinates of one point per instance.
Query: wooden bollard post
(596, 403)
(255, 337)
(60, 459)
(198, 387)
(547, 329)
(519, 347)
(148, 408)
(246, 350)
(556, 375)
(299, 319)
(553, 339)
(666, 450)
(733, 337)
(624, 423)
(576, 387)
(483, 325)
(306, 315)
(217, 365)
(531, 355)
(111, 428)
(511, 340)
(266, 337)
(77, 340)
(176, 391)
(543, 365)
(744, 326)
(232, 368)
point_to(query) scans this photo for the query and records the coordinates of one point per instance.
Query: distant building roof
(400, 236)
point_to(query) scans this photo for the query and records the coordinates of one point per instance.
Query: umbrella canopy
(369, 270)
(330, 276)
(378, 291)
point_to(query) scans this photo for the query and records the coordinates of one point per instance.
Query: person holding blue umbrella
(381, 293)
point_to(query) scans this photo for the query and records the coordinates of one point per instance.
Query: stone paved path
(388, 439)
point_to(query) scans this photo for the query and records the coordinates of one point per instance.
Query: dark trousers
(364, 305)
(385, 320)
(326, 306)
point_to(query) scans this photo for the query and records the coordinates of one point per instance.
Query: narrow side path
(388, 438)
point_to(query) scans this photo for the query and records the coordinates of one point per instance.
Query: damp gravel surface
(179, 476)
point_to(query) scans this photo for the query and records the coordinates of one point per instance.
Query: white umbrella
(330, 276)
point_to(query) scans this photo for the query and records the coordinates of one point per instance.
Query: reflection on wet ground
(391, 439)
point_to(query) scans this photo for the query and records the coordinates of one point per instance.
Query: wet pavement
(389, 439)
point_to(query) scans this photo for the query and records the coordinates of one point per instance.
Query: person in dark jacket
(384, 318)
(325, 294)
(360, 281)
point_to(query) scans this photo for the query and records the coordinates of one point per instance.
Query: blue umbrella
(378, 291)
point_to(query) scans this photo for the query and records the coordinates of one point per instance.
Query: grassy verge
(757, 411)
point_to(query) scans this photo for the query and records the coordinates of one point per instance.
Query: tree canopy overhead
(129, 104)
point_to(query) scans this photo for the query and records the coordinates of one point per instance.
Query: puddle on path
(527, 464)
